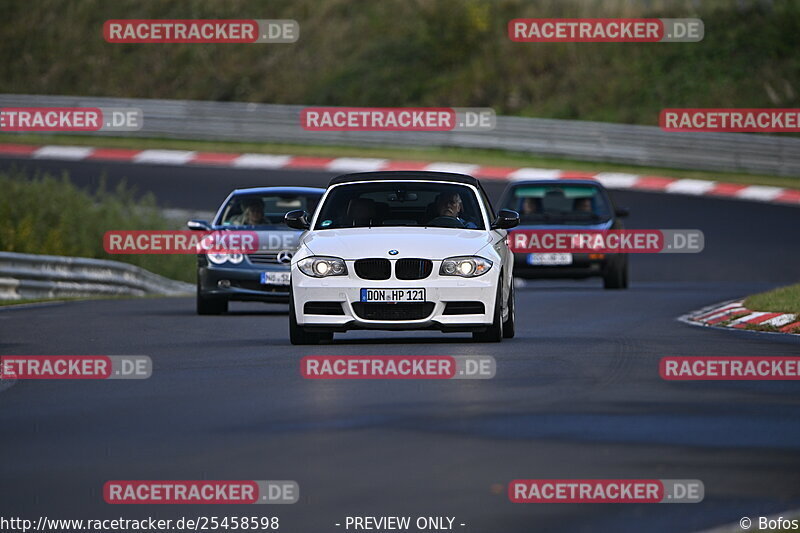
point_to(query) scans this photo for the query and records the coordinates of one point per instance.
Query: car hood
(601, 226)
(429, 243)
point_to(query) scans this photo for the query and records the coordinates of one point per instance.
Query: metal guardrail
(51, 276)
(590, 141)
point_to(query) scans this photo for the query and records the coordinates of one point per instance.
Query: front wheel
(211, 306)
(509, 324)
(493, 333)
(617, 276)
(298, 335)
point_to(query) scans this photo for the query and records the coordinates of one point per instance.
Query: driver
(252, 213)
(450, 205)
(531, 206)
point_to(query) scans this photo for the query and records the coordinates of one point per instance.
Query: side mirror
(622, 212)
(506, 219)
(199, 225)
(297, 219)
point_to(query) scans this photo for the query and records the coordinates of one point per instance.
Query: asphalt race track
(577, 393)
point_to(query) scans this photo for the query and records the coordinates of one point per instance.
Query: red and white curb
(612, 180)
(734, 315)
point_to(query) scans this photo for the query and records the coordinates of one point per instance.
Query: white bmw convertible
(402, 251)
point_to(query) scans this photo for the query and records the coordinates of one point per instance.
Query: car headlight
(322, 267)
(465, 267)
(218, 259)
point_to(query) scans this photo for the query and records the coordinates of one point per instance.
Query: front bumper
(245, 284)
(440, 291)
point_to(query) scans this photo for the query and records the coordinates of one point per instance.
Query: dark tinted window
(265, 209)
(574, 204)
(401, 203)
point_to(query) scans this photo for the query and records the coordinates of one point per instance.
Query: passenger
(582, 205)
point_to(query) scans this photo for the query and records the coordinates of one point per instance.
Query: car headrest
(359, 209)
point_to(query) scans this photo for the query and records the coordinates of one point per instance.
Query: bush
(415, 53)
(46, 215)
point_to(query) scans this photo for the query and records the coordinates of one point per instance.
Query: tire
(617, 276)
(509, 324)
(298, 335)
(211, 306)
(493, 333)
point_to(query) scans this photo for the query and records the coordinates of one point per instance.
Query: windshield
(559, 204)
(266, 209)
(394, 203)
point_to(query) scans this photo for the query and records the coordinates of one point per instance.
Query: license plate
(392, 295)
(275, 278)
(549, 259)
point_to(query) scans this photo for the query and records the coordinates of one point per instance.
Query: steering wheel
(447, 222)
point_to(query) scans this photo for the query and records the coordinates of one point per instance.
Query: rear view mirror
(402, 196)
(622, 212)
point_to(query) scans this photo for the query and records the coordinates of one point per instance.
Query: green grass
(459, 155)
(25, 301)
(400, 53)
(43, 214)
(433, 53)
(62, 299)
(781, 300)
